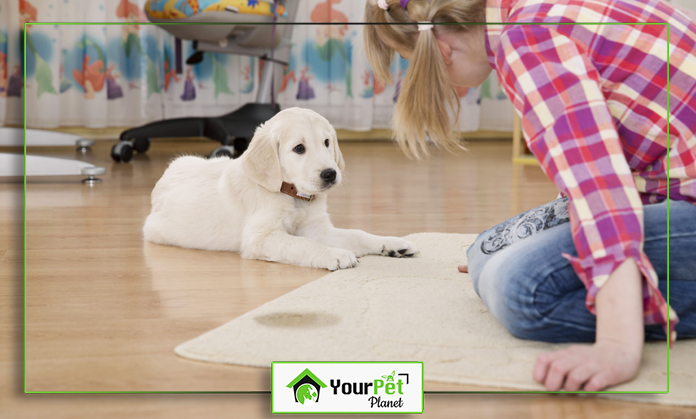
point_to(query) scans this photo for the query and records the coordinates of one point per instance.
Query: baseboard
(112, 133)
(386, 135)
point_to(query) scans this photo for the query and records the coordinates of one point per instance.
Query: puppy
(268, 204)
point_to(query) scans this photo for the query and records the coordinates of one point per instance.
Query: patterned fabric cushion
(181, 9)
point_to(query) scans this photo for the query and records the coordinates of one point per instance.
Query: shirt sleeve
(569, 128)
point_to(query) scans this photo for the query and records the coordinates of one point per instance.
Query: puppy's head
(297, 146)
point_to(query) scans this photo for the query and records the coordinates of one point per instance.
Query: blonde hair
(428, 104)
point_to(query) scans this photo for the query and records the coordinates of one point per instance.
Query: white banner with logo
(347, 387)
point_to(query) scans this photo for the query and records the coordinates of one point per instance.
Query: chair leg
(519, 154)
(516, 137)
(177, 127)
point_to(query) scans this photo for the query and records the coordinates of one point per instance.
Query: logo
(378, 388)
(306, 387)
(347, 387)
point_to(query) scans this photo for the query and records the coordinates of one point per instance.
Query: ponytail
(426, 101)
(428, 105)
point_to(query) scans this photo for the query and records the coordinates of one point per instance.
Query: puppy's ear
(338, 156)
(261, 161)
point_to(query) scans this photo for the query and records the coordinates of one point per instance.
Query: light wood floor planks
(105, 309)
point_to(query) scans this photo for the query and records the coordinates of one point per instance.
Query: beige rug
(418, 309)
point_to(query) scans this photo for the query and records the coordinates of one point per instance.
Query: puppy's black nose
(328, 175)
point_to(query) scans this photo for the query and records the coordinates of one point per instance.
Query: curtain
(108, 75)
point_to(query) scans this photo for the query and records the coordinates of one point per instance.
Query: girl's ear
(446, 51)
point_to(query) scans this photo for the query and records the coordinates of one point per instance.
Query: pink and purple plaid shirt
(593, 101)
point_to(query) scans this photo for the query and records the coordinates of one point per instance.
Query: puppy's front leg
(321, 229)
(279, 246)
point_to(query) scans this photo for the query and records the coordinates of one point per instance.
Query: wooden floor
(105, 309)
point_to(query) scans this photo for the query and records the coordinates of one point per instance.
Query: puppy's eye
(299, 149)
(326, 143)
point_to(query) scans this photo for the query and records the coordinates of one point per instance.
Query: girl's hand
(588, 368)
(615, 357)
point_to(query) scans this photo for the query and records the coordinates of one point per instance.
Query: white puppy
(238, 205)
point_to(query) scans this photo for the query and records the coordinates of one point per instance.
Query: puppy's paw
(398, 248)
(338, 259)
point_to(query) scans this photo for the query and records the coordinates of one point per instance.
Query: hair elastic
(404, 3)
(383, 4)
(425, 26)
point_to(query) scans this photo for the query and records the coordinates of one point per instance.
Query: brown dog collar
(290, 189)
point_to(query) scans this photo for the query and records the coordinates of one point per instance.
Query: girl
(594, 104)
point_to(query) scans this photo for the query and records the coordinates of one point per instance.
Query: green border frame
(373, 412)
(314, 24)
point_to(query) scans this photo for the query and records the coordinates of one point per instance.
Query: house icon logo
(306, 387)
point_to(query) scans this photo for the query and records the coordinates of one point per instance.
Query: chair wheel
(122, 151)
(141, 145)
(224, 151)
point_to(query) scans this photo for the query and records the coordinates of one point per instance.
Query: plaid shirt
(593, 101)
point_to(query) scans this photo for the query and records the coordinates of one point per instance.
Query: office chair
(238, 27)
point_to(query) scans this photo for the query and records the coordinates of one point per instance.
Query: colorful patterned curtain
(107, 75)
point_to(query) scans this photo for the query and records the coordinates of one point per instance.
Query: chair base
(234, 129)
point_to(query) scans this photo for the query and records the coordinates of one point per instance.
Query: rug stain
(308, 320)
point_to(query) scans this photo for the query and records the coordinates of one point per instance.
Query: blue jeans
(518, 271)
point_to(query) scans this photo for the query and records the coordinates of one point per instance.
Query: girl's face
(465, 56)
(469, 65)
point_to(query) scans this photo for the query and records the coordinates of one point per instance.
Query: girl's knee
(508, 293)
(523, 283)
(536, 303)
(476, 260)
